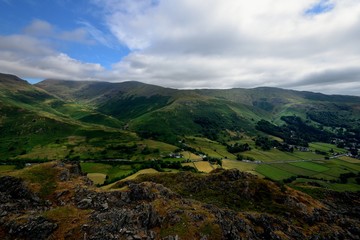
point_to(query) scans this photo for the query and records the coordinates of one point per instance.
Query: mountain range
(54, 111)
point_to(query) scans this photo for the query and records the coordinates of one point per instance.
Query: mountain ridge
(167, 115)
(193, 89)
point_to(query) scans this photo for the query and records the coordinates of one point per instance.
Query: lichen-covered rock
(33, 228)
(228, 205)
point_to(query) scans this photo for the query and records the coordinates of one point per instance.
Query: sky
(311, 45)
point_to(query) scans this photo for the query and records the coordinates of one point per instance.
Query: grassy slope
(163, 113)
(36, 124)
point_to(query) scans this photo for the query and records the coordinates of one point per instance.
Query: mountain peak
(9, 78)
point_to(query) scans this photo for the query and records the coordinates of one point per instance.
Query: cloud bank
(305, 45)
(235, 43)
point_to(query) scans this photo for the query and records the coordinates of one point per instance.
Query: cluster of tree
(295, 131)
(241, 157)
(185, 147)
(148, 150)
(128, 149)
(320, 152)
(345, 176)
(330, 119)
(212, 125)
(237, 147)
(266, 144)
(213, 160)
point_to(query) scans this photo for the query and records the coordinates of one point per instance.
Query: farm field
(143, 171)
(164, 147)
(350, 166)
(131, 177)
(349, 159)
(191, 156)
(112, 172)
(97, 178)
(332, 186)
(311, 166)
(294, 169)
(277, 155)
(204, 166)
(273, 172)
(6, 168)
(316, 171)
(210, 148)
(242, 166)
(269, 156)
(326, 147)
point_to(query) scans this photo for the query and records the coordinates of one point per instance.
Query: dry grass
(6, 168)
(131, 177)
(191, 156)
(242, 166)
(159, 145)
(350, 160)
(143, 171)
(51, 152)
(97, 178)
(69, 219)
(204, 166)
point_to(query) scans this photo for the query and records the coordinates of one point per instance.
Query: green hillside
(54, 111)
(165, 114)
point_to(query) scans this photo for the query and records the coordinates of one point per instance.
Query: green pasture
(210, 148)
(112, 171)
(325, 147)
(332, 186)
(311, 166)
(272, 172)
(6, 168)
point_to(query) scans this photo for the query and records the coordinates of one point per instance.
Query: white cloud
(235, 43)
(43, 29)
(32, 58)
(39, 27)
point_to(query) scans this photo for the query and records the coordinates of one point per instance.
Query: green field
(326, 147)
(332, 186)
(6, 168)
(311, 166)
(111, 171)
(210, 148)
(273, 172)
(350, 166)
(294, 169)
(242, 166)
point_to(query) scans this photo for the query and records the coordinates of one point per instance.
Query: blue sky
(64, 15)
(187, 43)
(320, 7)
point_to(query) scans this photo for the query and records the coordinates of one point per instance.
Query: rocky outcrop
(34, 227)
(146, 210)
(16, 199)
(128, 214)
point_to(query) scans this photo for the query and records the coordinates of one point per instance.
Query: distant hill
(164, 113)
(55, 109)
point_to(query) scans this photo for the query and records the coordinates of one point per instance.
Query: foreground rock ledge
(64, 205)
